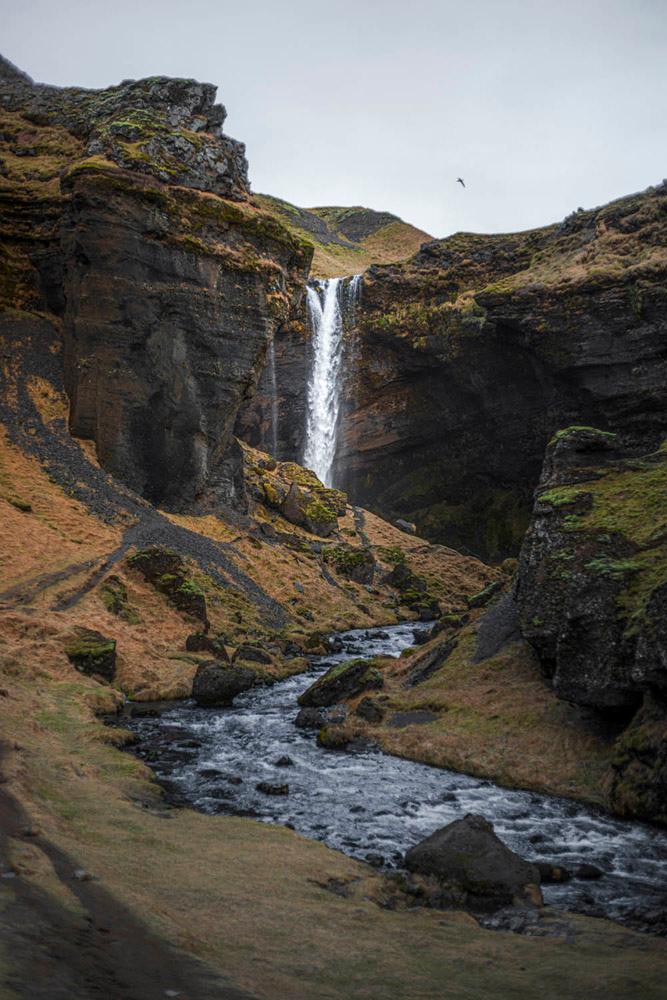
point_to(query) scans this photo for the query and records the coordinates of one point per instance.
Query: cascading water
(328, 302)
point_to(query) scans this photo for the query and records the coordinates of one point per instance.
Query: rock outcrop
(129, 225)
(592, 583)
(592, 598)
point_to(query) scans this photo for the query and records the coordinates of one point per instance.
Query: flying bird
(460, 181)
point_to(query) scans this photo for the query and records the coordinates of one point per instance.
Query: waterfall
(273, 388)
(329, 302)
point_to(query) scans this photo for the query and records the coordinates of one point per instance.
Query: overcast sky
(540, 105)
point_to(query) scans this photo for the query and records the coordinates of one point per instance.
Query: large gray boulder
(468, 855)
(216, 685)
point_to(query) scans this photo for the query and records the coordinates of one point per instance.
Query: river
(366, 802)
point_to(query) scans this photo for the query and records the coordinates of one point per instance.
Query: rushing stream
(366, 802)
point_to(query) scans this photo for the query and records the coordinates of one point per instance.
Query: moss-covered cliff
(471, 355)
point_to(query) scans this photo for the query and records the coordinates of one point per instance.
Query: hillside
(347, 240)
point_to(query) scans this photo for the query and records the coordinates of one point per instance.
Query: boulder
(93, 654)
(309, 718)
(217, 685)
(342, 681)
(333, 737)
(588, 872)
(284, 761)
(308, 511)
(167, 571)
(468, 854)
(254, 654)
(484, 596)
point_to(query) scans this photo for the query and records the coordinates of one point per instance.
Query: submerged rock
(469, 855)
(268, 789)
(552, 874)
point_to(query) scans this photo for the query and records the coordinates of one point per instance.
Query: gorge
(221, 417)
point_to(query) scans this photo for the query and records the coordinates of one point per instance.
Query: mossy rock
(345, 680)
(480, 599)
(168, 573)
(93, 654)
(113, 593)
(352, 563)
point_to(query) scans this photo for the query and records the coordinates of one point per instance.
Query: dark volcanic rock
(586, 592)
(342, 681)
(552, 874)
(168, 573)
(591, 594)
(253, 654)
(201, 642)
(310, 718)
(93, 654)
(469, 855)
(135, 235)
(216, 685)
(268, 789)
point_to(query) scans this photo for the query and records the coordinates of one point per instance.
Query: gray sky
(540, 106)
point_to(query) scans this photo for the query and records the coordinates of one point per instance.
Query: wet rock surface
(220, 684)
(365, 802)
(468, 854)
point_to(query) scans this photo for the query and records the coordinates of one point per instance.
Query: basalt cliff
(506, 393)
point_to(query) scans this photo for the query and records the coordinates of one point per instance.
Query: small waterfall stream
(329, 302)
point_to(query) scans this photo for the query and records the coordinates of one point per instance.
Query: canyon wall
(128, 224)
(467, 358)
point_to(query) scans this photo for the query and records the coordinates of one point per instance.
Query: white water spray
(327, 300)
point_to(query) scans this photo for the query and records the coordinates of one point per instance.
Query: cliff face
(592, 598)
(128, 226)
(471, 355)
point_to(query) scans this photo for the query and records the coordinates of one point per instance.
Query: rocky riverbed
(251, 760)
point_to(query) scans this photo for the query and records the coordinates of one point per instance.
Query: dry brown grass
(498, 719)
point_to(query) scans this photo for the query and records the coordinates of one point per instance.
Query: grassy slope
(336, 254)
(495, 719)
